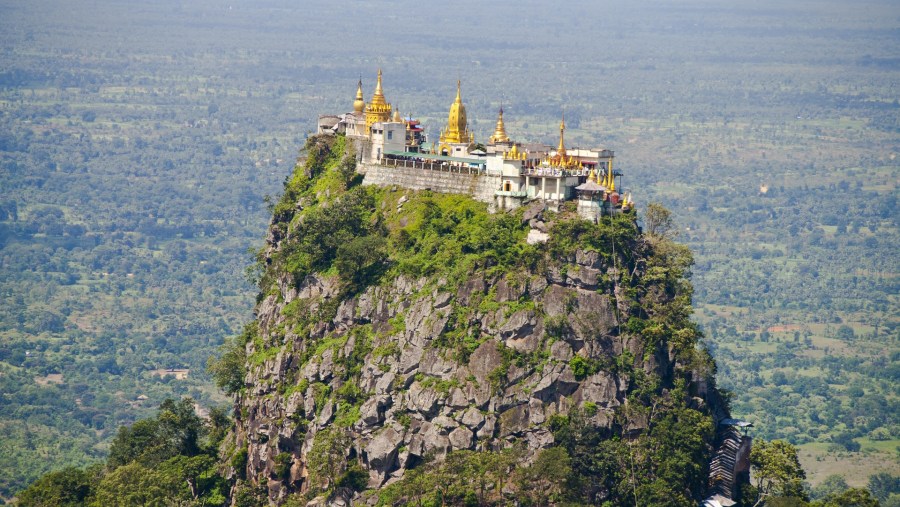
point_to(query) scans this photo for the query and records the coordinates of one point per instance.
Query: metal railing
(551, 172)
(430, 165)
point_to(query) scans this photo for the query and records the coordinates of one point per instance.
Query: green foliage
(462, 478)
(659, 222)
(283, 462)
(350, 393)
(246, 495)
(613, 238)
(449, 235)
(69, 487)
(882, 485)
(834, 483)
(851, 497)
(547, 480)
(776, 470)
(361, 260)
(327, 460)
(497, 377)
(583, 367)
(321, 393)
(137, 485)
(663, 466)
(239, 461)
(132, 442)
(355, 477)
(556, 326)
(323, 230)
(176, 430)
(161, 461)
(229, 369)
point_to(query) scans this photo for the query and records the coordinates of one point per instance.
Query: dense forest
(139, 143)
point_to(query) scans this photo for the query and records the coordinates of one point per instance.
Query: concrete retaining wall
(480, 186)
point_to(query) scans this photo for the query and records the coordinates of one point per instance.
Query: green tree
(883, 485)
(659, 222)
(131, 442)
(547, 479)
(176, 430)
(777, 471)
(134, 485)
(845, 333)
(359, 260)
(180, 426)
(834, 483)
(64, 488)
(851, 497)
(229, 369)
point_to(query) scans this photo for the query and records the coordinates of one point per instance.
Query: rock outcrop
(411, 368)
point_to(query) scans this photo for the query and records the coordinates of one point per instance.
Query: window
(390, 134)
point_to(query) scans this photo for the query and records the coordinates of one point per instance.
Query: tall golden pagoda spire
(457, 131)
(359, 104)
(561, 149)
(499, 135)
(378, 96)
(378, 109)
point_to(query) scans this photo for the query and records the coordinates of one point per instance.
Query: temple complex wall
(481, 187)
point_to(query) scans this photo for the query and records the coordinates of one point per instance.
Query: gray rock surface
(416, 389)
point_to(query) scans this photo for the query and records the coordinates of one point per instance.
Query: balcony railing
(429, 165)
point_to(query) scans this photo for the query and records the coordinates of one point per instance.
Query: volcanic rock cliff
(395, 327)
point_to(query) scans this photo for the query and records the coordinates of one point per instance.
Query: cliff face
(395, 326)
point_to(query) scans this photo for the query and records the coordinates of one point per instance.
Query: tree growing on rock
(777, 472)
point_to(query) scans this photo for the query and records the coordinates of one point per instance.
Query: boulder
(381, 453)
(474, 285)
(484, 360)
(514, 420)
(473, 419)
(461, 438)
(422, 400)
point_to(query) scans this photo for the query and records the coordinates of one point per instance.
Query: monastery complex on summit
(505, 174)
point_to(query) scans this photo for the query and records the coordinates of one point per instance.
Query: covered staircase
(730, 464)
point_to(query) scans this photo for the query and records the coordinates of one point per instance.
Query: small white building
(387, 136)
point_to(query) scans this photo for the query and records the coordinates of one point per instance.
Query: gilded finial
(457, 130)
(378, 109)
(499, 135)
(359, 104)
(561, 149)
(378, 97)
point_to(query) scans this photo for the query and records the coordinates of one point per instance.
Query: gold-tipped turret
(378, 108)
(499, 135)
(378, 96)
(561, 149)
(396, 118)
(610, 179)
(457, 131)
(359, 104)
